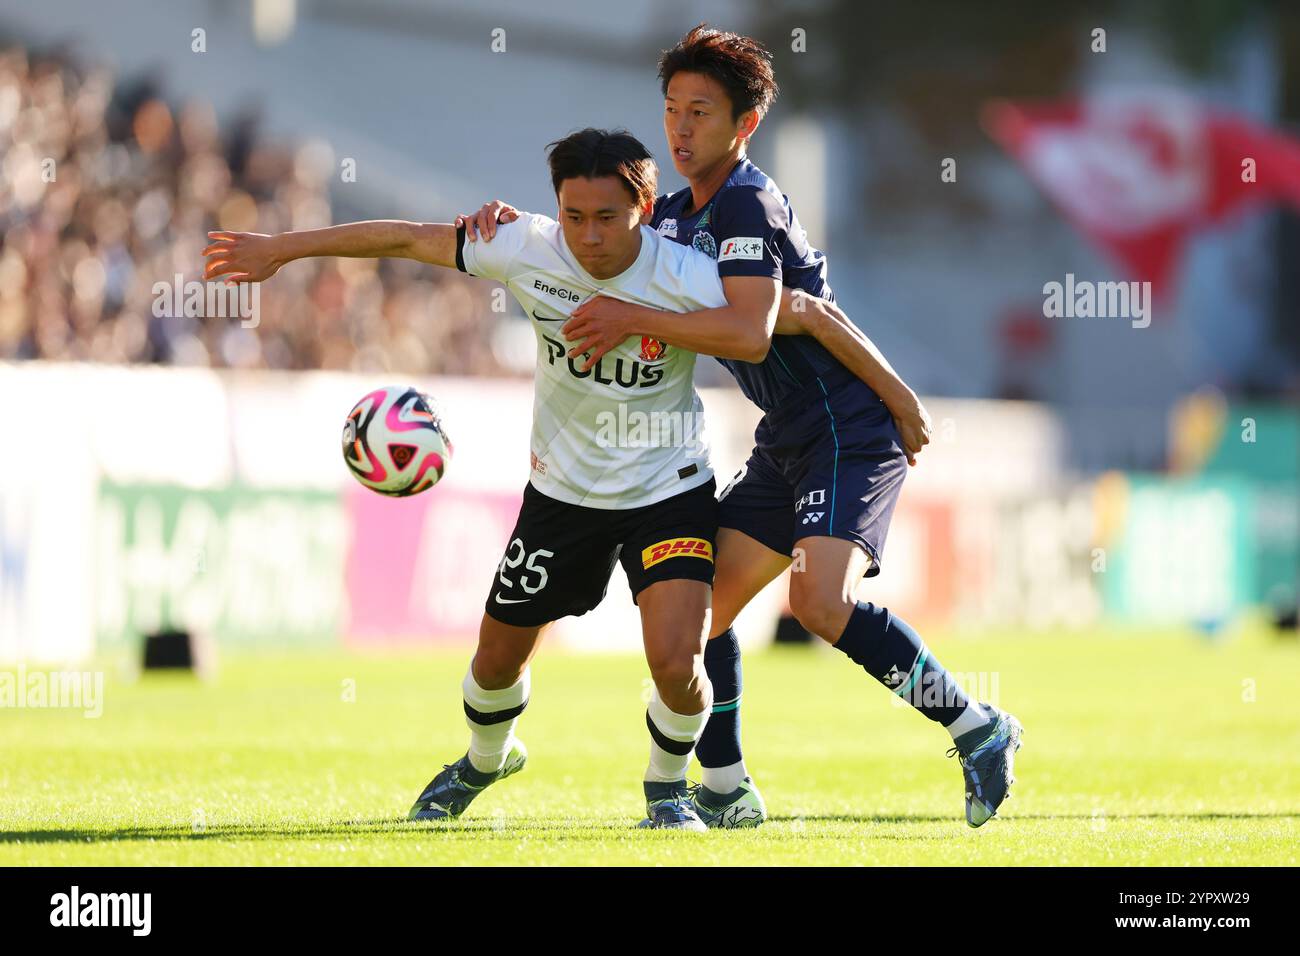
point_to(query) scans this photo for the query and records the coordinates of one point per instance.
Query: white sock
(683, 730)
(724, 779)
(490, 742)
(975, 715)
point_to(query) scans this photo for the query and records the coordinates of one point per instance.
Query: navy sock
(894, 654)
(720, 744)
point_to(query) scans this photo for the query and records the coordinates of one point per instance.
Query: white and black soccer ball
(394, 442)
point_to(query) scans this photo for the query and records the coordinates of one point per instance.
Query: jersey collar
(687, 195)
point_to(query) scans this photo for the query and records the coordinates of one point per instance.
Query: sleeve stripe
(460, 248)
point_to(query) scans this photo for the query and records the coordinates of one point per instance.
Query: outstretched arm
(798, 314)
(804, 314)
(741, 329)
(252, 257)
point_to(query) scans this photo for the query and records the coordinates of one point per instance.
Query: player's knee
(674, 672)
(821, 611)
(495, 671)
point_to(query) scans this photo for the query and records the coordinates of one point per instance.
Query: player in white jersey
(592, 499)
(578, 457)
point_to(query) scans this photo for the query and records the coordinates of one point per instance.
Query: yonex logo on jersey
(676, 548)
(567, 294)
(742, 247)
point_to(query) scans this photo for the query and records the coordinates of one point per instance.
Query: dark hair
(741, 66)
(595, 153)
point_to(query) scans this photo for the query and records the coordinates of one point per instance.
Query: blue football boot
(987, 755)
(449, 793)
(669, 807)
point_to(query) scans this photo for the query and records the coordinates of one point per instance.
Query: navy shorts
(829, 463)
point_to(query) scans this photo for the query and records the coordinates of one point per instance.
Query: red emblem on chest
(652, 349)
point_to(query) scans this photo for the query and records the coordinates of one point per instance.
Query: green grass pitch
(1138, 751)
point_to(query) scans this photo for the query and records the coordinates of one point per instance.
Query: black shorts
(560, 556)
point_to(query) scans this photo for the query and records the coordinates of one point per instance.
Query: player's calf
(494, 752)
(491, 716)
(722, 762)
(672, 739)
(745, 566)
(674, 615)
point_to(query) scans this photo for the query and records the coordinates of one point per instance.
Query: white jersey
(629, 432)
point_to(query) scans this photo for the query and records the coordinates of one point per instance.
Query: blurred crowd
(107, 190)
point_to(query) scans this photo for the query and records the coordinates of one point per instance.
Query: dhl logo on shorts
(676, 548)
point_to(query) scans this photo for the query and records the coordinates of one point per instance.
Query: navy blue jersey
(749, 227)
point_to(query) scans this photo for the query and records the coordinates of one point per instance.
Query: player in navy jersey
(749, 227)
(838, 431)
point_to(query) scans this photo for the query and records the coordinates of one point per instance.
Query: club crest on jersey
(652, 349)
(668, 228)
(703, 242)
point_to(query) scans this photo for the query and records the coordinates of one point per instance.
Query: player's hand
(241, 257)
(485, 220)
(913, 423)
(598, 325)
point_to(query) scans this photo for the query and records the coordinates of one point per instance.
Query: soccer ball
(394, 443)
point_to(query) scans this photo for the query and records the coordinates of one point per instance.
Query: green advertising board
(1181, 550)
(1262, 442)
(240, 565)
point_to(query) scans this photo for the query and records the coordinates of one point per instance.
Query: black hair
(595, 153)
(740, 65)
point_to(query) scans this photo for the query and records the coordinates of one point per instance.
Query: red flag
(1137, 172)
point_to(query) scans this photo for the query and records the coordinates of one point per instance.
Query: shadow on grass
(507, 827)
(396, 826)
(899, 818)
